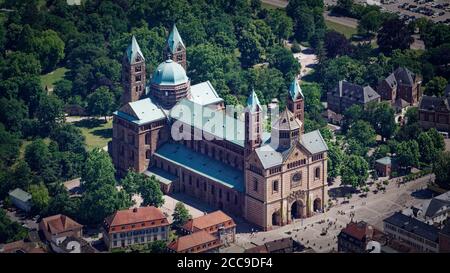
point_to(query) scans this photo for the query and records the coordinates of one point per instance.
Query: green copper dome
(169, 73)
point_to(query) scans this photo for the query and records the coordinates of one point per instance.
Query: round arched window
(297, 177)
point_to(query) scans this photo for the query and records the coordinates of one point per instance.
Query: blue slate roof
(203, 165)
(414, 226)
(161, 175)
(314, 142)
(133, 51)
(169, 73)
(204, 94)
(253, 102)
(271, 157)
(20, 195)
(294, 90)
(192, 114)
(143, 111)
(384, 161)
(174, 40)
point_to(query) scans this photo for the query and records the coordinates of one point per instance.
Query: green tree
(408, 154)
(436, 86)
(341, 68)
(101, 102)
(438, 139)
(50, 113)
(412, 115)
(12, 114)
(382, 118)
(336, 44)
(250, 48)
(98, 170)
(441, 169)
(9, 147)
(50, 49)
(426, 148)
(394, 34)
(63, 89)
(151, 192)
(335, 161)
(281, 25)
(355, 171)
(362, 132)
(101, 202)
(180, 215)
(40, 198)
(283, 60)
(10, 231)
(42, 161)
(69, 138)
(370, 22)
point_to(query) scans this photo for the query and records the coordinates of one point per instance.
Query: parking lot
(437, 10)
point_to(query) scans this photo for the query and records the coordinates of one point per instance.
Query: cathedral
(162, 129)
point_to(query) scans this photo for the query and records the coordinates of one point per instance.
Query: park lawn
(343, 29)
(96, 131)
(51, 78)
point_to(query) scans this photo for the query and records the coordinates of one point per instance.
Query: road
(372, 209)
(276, 3)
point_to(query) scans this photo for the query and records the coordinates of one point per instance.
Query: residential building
(268, 178)
(347, 94)
(22, 247)
(198, 242)
(413, 232)
(400, 85)
(355, 237)
(383, 166)
(434, 211)
(58, 227)
(444, 238)
(216, 223)
(21, 199)
(284, 245)
(134, 226)
(360, 237)
(434, 112)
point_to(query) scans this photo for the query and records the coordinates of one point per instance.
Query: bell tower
(253, 124)
(295, 102)
(133, 73)
(175, 48)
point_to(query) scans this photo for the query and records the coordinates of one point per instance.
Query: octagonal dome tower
(170, 83)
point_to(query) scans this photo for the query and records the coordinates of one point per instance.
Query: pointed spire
(294, 90)
(133, 50)
(174, 39)
(253, 101)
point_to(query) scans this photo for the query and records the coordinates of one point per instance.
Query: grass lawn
(51, 78)
(97, 132)
(346, 30)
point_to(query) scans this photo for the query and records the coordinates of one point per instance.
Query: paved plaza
(319, 232)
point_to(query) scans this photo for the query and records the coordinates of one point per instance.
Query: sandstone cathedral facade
(268, 178)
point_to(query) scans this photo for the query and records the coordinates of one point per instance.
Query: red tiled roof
(135, 215)
(187, 242)
(208, 220)
(60, 223)
(357, 230)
